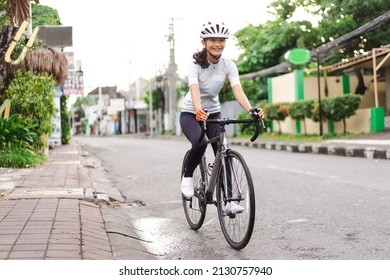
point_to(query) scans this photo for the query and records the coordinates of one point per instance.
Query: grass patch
(19, 157)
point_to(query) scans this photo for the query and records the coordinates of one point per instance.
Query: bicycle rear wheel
(195, 207)
(237, 228)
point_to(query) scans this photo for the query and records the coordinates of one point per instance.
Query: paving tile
(24, 255)
(5, 248)
(65, 236)
(30, 247)
(8, 239)
(101, 234)
(33, 235)
(63, 254)
(6, 231)
(88, 245)
(25, 241)
(64, 247)
(64, 241)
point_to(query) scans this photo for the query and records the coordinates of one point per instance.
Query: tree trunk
(345, 126)
(6, 36)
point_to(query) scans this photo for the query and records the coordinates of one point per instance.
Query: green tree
(340, 17)
(3, 14)
(265, 45)
(44, 15)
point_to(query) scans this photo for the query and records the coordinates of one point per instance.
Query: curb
(322, 149)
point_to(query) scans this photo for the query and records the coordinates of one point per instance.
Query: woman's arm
(200, 113)
(195, 92)
(241, 98)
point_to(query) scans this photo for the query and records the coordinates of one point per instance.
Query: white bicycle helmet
(214, 30)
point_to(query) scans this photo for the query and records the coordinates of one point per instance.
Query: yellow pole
(5, 107)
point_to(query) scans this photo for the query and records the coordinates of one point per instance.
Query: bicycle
(231, 177)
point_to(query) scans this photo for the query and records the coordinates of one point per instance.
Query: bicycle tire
(195, 207)
(237, 228)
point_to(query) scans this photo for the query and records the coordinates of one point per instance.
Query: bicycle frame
(218, 161)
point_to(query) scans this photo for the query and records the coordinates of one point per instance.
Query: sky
(118, 41)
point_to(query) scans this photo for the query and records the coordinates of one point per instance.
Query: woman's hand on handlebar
(256, 113)
(201, 114)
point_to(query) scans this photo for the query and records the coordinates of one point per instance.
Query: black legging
(192, 130)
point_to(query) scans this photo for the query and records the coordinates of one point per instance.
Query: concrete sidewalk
(50, 212)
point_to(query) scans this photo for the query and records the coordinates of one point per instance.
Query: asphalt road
(307, 206)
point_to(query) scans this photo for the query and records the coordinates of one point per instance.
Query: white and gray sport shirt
(210, 81)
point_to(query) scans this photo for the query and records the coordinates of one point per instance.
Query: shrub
(341, 107)
(300, 110)
(32, 99)
(65, 125)
(276, 111)
(15, 132)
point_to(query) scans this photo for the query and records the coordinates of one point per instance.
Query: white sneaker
(232, 208)
(187, 187)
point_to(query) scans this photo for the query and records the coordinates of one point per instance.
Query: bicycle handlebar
(223, 122)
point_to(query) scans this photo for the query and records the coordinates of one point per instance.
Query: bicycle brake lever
(262, 122)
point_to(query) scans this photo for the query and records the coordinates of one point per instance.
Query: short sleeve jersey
(210, 81)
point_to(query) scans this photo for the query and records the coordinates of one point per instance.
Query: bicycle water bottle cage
(210, 168)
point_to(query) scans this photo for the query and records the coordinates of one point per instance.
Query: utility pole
(319, 92)
(172, 77)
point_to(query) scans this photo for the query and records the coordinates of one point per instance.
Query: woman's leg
(213, 130)
(192, 130)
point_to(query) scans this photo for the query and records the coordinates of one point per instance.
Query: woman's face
(215, 46)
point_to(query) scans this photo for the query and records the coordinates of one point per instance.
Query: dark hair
(200, 58)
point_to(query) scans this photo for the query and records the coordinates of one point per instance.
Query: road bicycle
(230, 176)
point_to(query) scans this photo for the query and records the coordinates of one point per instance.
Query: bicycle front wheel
(236, 227)
(195, 207)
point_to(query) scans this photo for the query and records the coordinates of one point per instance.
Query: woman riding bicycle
(206, 77)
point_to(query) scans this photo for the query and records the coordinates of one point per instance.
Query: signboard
(56, 36)
(74, 83)
(298, 56)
